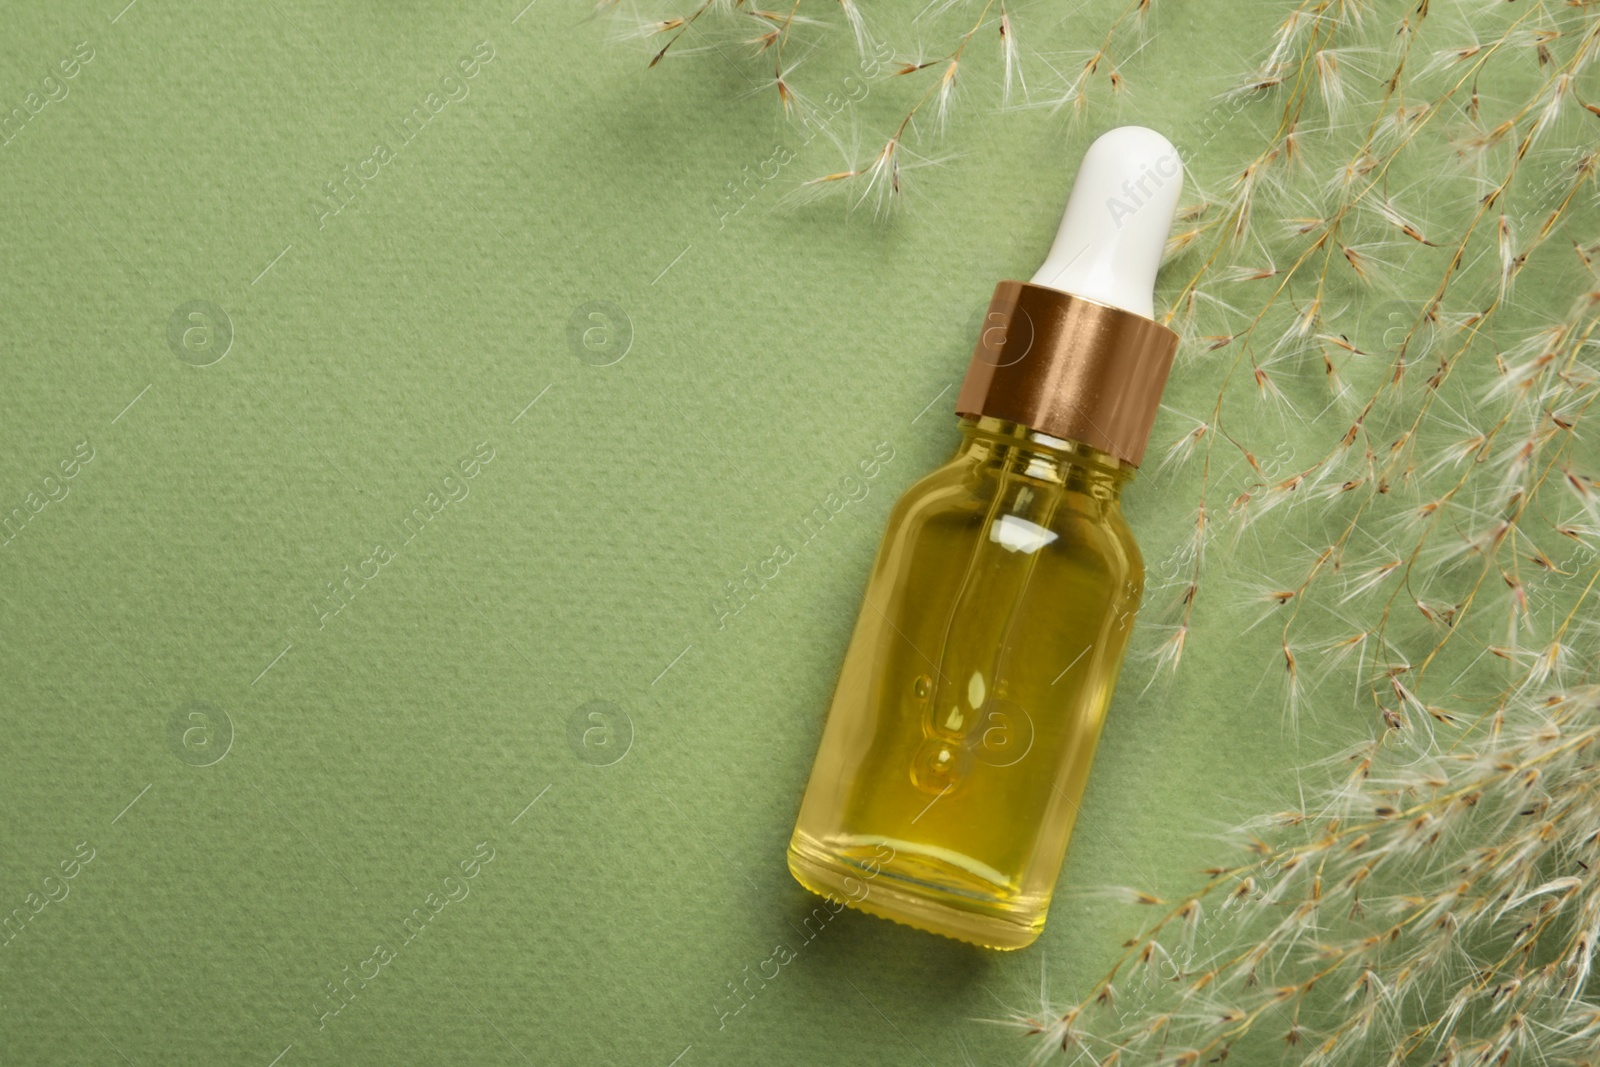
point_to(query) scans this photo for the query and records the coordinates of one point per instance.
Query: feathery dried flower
(1438, 882)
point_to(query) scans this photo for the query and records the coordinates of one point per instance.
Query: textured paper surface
(285, 672)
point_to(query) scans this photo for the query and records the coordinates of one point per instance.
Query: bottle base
(890, 891)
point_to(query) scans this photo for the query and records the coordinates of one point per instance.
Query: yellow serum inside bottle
(973, 692)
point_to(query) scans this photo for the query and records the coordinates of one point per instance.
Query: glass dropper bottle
(973, 692)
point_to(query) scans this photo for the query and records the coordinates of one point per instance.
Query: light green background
(373, 752)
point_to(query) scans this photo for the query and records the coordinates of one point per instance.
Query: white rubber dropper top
(1115, 228)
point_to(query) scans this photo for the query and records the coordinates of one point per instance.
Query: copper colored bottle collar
(1069, 367)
